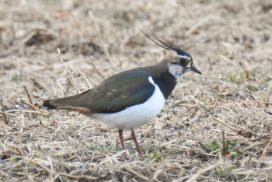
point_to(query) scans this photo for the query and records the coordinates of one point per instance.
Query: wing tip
(48, 105)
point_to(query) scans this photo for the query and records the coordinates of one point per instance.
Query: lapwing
(131, 98)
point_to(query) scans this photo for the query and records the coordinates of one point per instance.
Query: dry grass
(216, 127)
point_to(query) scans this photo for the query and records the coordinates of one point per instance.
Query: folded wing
(114, 94)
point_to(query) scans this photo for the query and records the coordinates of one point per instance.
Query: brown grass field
(214, 127)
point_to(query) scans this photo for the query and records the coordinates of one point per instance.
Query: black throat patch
(167, 82)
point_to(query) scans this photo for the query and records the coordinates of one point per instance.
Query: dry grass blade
(265, 149)
(268, 100)
(28, 111)
(86, 80)
(224, 146)
(97, 70)
(202, 171)
(28, 96)
(225, 124)
(69, 73)
(83, 177)
(140, 176)
(30, 100)
(244, 67)
(5, 118)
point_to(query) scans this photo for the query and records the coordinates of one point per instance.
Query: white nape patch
(137, 115)
(176, 70)
(184, 57)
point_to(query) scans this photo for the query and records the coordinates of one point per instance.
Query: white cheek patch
(176, 70)
(184, 57)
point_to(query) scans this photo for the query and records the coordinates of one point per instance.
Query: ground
(214, 127)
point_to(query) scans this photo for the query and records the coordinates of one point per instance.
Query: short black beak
(194, 69)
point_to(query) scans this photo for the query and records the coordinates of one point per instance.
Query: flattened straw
(265, 149)
(199, 173)
(225, 124)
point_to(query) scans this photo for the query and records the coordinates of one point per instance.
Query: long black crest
(158, 41)
(181, 53)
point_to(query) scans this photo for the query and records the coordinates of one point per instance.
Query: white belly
(137, 115)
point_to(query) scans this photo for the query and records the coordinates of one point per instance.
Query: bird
(131, 98)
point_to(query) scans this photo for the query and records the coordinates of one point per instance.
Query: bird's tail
(66, 102)
(75, 103)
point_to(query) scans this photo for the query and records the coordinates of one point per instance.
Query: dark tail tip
(47, 104)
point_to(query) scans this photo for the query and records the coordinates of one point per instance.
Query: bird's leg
(136, 143)
(124, 155)
(121, 138)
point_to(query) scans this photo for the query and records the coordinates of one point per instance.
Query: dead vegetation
(216, 127)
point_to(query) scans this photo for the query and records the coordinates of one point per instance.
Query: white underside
(137, 115)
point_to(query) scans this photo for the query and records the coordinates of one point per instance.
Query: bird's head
(183, 61)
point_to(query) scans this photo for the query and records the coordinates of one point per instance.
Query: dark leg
(121, 138)
(136, 143)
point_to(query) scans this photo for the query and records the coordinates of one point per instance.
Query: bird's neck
(164, 79)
